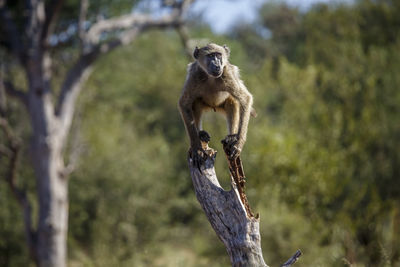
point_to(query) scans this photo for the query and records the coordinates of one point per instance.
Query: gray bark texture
(232, 221)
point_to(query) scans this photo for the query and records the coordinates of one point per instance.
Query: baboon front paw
(204, 140)
(231, 146)
(234, 152)
(204, 136)
(198, 156)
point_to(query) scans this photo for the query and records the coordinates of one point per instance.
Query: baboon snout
(215, 70)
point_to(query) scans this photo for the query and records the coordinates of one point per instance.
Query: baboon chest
(215, 98)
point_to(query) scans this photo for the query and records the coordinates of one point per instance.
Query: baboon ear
(227, 50)
(196, 53)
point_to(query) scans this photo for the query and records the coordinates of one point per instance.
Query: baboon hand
(231, 146)
(198, 156)
(204, 136)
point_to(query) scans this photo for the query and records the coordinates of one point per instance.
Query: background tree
(29, 35)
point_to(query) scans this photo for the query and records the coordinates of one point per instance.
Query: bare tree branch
(81, 23)
(78, 74)
(52, 13)
(13, 92)
(71, 88)
(132, 24)
(292, 260)
(184, 36)
(184, 6)
(11, 31)
(127, 22)
(76, 147)
(183, 32)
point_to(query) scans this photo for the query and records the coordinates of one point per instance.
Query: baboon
(212, 83)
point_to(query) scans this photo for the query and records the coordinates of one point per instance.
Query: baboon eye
(219, 56)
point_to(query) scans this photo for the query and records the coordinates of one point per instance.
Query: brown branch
(237, 174)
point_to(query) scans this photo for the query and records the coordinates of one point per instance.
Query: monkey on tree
(212, 83)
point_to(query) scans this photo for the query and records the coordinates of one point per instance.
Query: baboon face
(212, 59)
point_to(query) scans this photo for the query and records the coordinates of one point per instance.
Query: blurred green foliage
(322, 157)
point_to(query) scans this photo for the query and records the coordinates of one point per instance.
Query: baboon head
(212, 59)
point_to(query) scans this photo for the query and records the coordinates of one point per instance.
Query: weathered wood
(238, 229)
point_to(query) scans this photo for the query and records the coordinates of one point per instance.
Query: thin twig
(292, 260)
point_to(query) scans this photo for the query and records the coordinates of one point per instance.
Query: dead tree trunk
(229, 212)
(239, 231)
